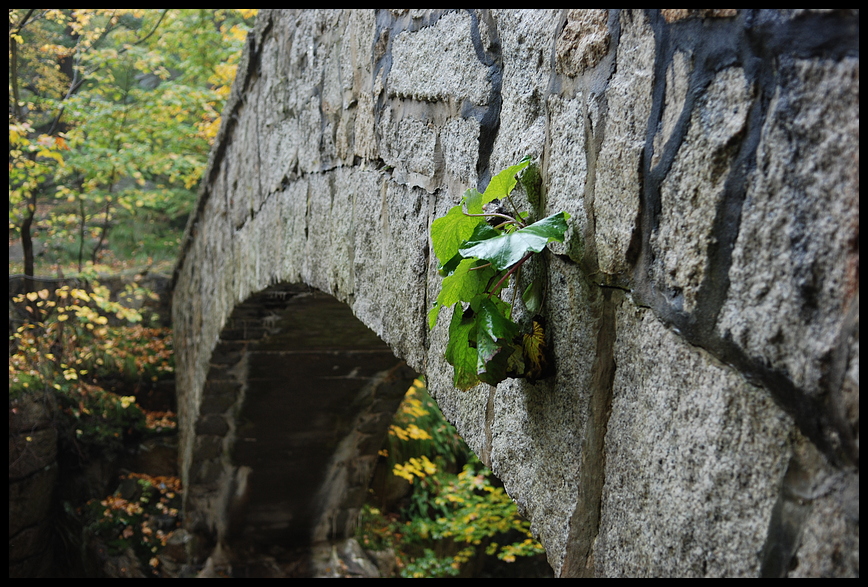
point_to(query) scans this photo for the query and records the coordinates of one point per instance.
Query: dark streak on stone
(585, 521)
(381, 49)
(489, 117)
(485, 457)
(785, 524)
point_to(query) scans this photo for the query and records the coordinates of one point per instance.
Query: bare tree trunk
(27, 241)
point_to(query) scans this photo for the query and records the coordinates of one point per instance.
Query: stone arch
(297, 401)
(702, 313)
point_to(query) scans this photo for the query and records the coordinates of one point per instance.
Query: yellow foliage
(412, 431)
(415, 467)
(534, 349)
(237, 33)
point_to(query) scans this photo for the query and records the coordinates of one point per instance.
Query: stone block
(212, 425)
(410, 147)
(567, 174)
(30, 500)
(526, 48)
(222, 395)
(584, 41)
(208, 447)
(30, 452)
(694, 460)
(695, 186)
(29, 412)
(457, 73)
(794, 268)
(617, 187)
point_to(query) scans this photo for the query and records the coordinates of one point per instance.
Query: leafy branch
(477, 261)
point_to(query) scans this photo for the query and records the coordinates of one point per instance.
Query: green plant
(68, 347)
(454, 512)
(477, 260)
(418, 429)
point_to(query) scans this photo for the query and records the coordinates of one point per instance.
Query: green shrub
(452, 515)
(141, 519)
(69, 348)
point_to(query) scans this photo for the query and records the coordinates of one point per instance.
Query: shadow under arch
(297, 402)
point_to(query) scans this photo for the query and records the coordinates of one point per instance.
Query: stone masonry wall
(703, 417)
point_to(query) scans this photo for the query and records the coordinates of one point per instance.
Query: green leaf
(506, 250)
(465, 282)
(461, 286)
(459, 352)
(533, 296)
(448, 268)
(494, 369)
(481, 232)
(494, 335)
(492, 320)
(504, 182)
(449, 232)
(473, 201)
(433, 314)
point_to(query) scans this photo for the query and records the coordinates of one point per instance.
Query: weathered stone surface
(680, 426)
(33, 474)
(677, 84)
(525, 66)
(457, 73)
(702, 314)
(795, 263)
(566, 148)
(31, 451)
(694, 187)
(676, 14)
(584, 41)
(618, 185)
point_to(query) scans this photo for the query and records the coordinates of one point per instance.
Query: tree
(112, 113)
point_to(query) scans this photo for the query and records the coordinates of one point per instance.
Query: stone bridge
(703, 414)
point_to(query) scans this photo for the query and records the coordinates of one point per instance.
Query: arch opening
(297, 403)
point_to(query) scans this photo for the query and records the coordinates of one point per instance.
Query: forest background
(112, 114)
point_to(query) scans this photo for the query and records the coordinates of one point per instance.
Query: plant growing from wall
(479, 252)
